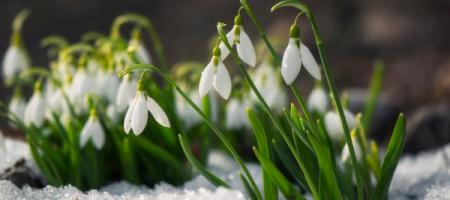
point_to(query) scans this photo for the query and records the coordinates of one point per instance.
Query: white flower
(215, 74)
(187, 114)
(35, 110)
(268, 82)
(236, 116)
(108, 84)
(294, 56)
(141, 51)
(136, 116)
(345, 155)
(318, 100)
(15, 60)
(17, 107)
(82, 84)
(237, 36)
(334, 126)
(112, 112)
(127, 89)
(93, 131)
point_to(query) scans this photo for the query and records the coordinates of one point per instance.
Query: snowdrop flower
(268, 82)
(345, 155)
(236, 116)
(136, 116)
(15, 61)
(334, 126)
(82, 84)
(127, 88)
(215, 74)
(187, 114)
(108, 85)
(35, 109)
(93, 131)
(237, 36)
(139, 48)
(294, 56)
(17, 107)
(318, 100)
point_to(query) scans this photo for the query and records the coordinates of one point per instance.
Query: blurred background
(410, 36)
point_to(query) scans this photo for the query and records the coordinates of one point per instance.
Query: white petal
(245, 49)
(318, 100)
(140, 115)
(206, 79)
(35, 110)
(86, 133)
(157, 112)
(291, 63)
(309, 62)
(345, 155)
(222, 81)
(224, 51)
(129, 116)
(17, 106)
(334, 126)
(15, 60)
(98, 135)
(143, 54)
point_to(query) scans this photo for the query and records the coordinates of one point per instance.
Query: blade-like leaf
(194, 162)
(279, 179)
(391, 159)
(270, 191)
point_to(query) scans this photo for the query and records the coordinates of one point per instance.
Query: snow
(422, 176)
(12, 151)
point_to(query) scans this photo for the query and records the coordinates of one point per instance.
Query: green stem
(205, 118)
(148, 25)
(260, 29)
(331, 84)
(266, 108)
(16, 38)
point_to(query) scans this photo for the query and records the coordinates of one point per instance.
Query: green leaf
(374, 90)
(247, 187)
(270, 191)
(278, 178)
(391, 159)
(194, 162)
(156, 151)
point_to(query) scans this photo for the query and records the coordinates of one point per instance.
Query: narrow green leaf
(194, 162)
(374, 90)
(247, 187)
(391, 159)
(279, 179)
(270, 191)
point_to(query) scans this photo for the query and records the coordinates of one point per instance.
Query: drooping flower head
(268, 81)
(318, 100)
(16, 57)
(334, 126)
(139, 48)
(237, 36)
(125, 93)
(17, 105)
(93, 131)
(137, 114)
(296, 55)
(35, 109)
(215, 74)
